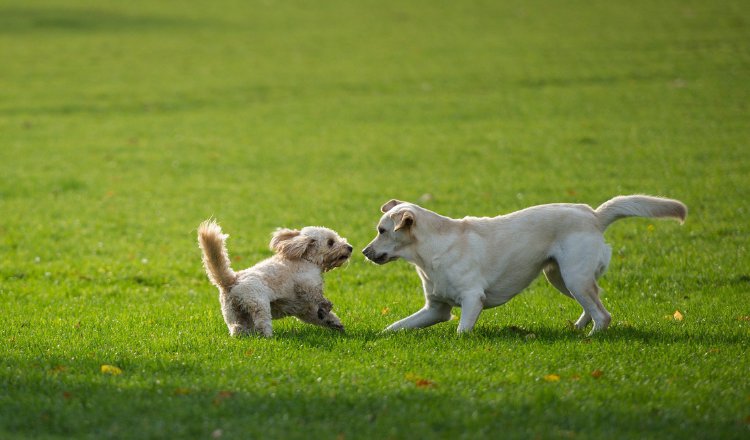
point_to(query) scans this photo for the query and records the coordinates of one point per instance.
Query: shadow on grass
(116, 408)
(614, 333)
(56, 19)
(325, 339)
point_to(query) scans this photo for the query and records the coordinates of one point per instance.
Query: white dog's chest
(441, 288)
(444, 297)
(451, 287)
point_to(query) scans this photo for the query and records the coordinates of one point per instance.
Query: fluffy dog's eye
(330, 242)
(381, 230)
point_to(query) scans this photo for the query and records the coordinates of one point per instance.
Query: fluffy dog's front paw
(237, 330)
(264, 330)
(332, 321)
(335, 326)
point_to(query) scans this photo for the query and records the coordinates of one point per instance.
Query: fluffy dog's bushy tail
(639, 206)
(215, 257)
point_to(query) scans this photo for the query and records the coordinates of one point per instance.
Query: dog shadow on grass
(615, 333)
(321, 338)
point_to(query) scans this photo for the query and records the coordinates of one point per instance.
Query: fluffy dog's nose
(349, 248)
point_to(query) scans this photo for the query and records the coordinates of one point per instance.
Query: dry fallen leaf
(596, 374)
(420, 382)
(552, 378)
(221, 396)
(385, 311)
(58, 369)
(111, 369)
(677, 315)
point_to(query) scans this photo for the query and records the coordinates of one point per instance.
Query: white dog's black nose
(372, 256)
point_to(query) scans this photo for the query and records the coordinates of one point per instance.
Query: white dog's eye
(330, 242)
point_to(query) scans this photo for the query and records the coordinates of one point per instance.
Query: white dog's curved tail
(639, 206)
(215, 257)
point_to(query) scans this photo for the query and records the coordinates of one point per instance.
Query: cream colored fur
(478, 263)
(288, 284)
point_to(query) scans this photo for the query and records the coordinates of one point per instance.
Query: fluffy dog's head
(316, 244)
(394, 232)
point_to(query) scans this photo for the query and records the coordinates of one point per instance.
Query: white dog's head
(395, 233)
(316, 244)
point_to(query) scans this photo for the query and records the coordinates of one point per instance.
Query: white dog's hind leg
(583, 321)
(432, 313)
(552, 272)
(588, 296)
(585, 258)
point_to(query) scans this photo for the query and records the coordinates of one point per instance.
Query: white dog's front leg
(471, 307)
(431, 313)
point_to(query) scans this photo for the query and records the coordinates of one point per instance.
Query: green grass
(125, 124)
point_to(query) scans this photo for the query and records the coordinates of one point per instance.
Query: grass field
(123, 125)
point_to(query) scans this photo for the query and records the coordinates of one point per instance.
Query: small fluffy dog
(478, 263)
(288, 284)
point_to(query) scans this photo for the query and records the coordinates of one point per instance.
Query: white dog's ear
(406, 220)
(388, 206)
(289, 243)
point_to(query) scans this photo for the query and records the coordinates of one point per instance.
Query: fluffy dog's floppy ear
(289, 243)
(406, 220)
(388, 206)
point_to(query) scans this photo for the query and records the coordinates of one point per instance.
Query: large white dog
(478, 263)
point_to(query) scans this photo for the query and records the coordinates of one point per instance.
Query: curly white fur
(288, 284)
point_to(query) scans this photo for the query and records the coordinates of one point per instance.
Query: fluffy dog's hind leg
(237, 321)
(260, 313)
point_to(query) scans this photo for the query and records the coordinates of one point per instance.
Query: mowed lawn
(123, 125)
